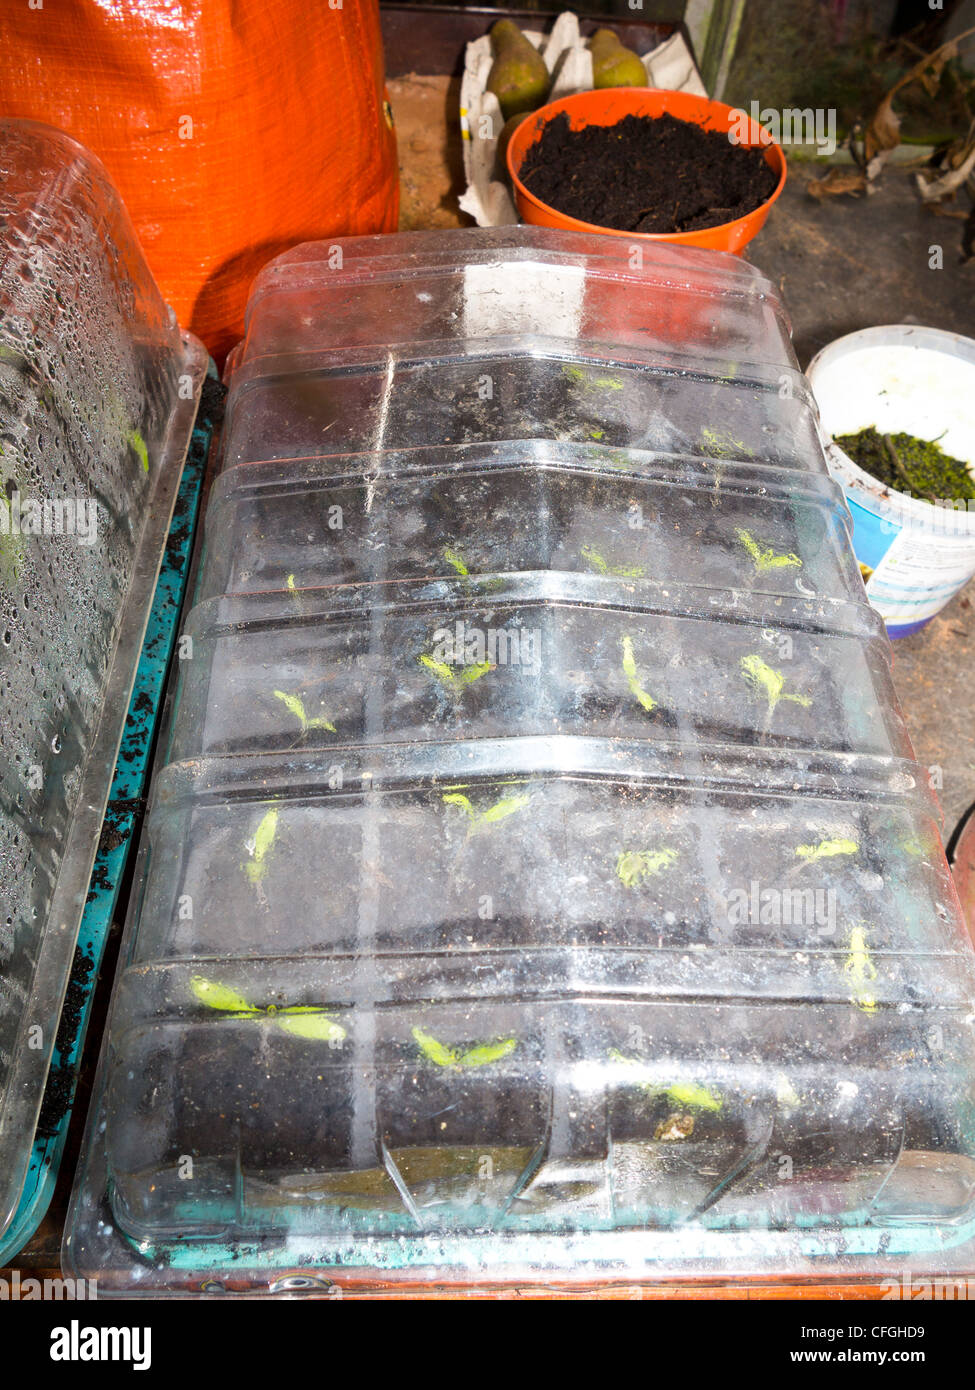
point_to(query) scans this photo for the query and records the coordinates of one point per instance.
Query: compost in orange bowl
(607, 108)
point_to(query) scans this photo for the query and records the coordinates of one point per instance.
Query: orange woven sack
(232, 128)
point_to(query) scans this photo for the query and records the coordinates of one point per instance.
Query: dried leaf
(930, 78)
(838, 181)
(932, 190)
(883, 131)
(959, 150)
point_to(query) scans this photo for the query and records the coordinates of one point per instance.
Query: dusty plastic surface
(92, 434)
(562, 504)
(444, 348)
(538, 883)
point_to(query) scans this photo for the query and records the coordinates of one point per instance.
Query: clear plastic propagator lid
(538, 882)
(97, 397)
(526, 506)
(531, 654)
(444, 338)
(450, 287)
(488, 393)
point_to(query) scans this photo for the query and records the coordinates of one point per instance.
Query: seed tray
(627, 950)
(98, 390)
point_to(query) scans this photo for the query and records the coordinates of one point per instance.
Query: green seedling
(860, 970)
(481, 820)
(723, 444)
(301, 1020)
(481, 1055)
(584, 378)
(693, 1097)
(633, 677)
(455, 559)
(594, 560)
(616, 459)
(601, 565)
(119, 417)
(687, 1094)
(826, 849)
(635, 865)
(260, 847)
(216, 996)
(785, 1092)
(765, 680)
(766, 558)
(11, 547)
(456, 679)
(296, 707)
(138, 446)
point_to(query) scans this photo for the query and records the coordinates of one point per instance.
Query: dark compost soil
(646, 174)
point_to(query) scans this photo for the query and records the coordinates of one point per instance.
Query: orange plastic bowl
(611, 105)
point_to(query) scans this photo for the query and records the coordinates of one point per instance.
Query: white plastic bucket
(914, 555)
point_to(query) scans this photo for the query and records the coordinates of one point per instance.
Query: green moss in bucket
(915, 466)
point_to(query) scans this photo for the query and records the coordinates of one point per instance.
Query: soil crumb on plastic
(61, 1078)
